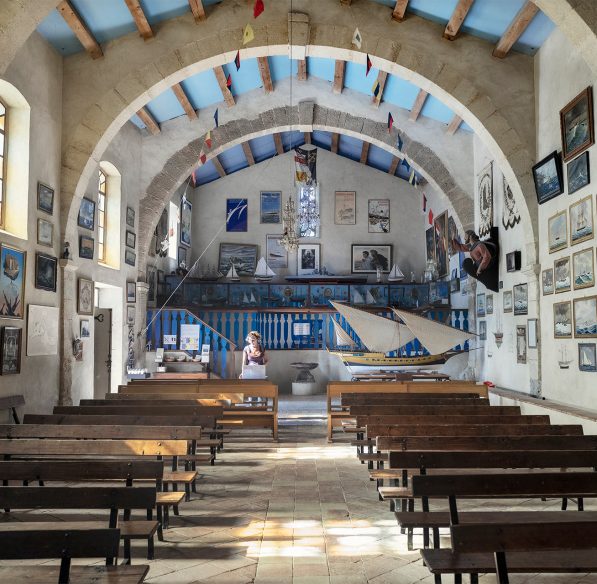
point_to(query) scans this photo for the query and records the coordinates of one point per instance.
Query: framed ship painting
(587, 357)
(579, 173)
(576, 124)
(481, 304)
(508, 301)
(585, 317)
(520, 293)
(186, 211)
(277, 256)
(561, 273)
(271, 207)
(12, 281)
(557, 231)
(562, 320)
(547, 281)
(440, 224)
(242, 255)
(87, 214)
(548, 177)
(345, 208)
(583, 273)
(379, 215)
(581, 220)
(11, 342)
(46, 268)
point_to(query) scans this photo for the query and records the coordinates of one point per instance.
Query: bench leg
(160, 523)
(410, 531)
(437, 578)
(187, 492)
(580, 504)
(457, 578)
(127, 551)
(474, 578)
(501, 568)
(64, 576)
(403, 503)
(175, 508)
(166, 517)
(436, 539)
(564, 504)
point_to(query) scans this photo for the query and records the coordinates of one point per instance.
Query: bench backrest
(106, 432)
(397, 410)
(210, 381)
(207, 423)
(252, 389)
(417, 399)
(366, 398)
(363, 421)
(235, 398)
(11, 401)
(153, 410)
(142, 401)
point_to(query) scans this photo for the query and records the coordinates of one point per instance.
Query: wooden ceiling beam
(415, 112)
(221, 79)
(266, 77)
(394, 165)
(278, 142)
(149, 121)
(301, 73)
(381, 79)
(80, 29)
(516, 28)
(399, 10)
(248, 153)
(140, 19)
(454, 125)
(197, 10)
(365, 152)
(307, 137)
(182, 98)
(335, 142)
(219, 167)
(457, 18)
(338, 76)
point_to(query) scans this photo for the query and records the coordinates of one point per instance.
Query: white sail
(370, 298)
(357, 298)
(232, 273)
(245, 298)
(342, 337)
(376, 332)
(436, 337)
(253, 299)
(263, 271)
(396, 274)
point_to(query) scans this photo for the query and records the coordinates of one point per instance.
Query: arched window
(101, 217)
(3, 120)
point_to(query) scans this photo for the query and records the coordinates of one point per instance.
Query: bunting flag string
(430, 217)
(216, 118)
(369, 64)
(208, 139)
(406, 165)
(248, 34)
(375, 88)
(237, 60)
(424, 204)
(412, 178)
(390, 121)
(399, 143)
(229, 81)
(258, 8)
(202, 157)
(357, 39)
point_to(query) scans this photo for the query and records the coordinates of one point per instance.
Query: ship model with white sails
(382, 335)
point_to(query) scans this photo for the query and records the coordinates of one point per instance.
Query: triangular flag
(194, 178)
(430, 217)
(375, 88)
(208, 139)
(369, 64)
(406, 165)
(412, 178)
(258, 8)
(237, 60)
(229, 81)
(390, 122)
(400, 143)
(424, 203)
(216, 120)
(357, 39)
(202, 157)
(248, 34)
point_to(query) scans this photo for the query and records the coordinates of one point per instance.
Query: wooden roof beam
(80, 29)
(338, 76)
(221, 79)
(394, 165)
(335, 142)
(399, 10)
(278, 142)
(219, 167)
(248, 153)
(140, 19)
(197, 10)
(266, 77)
(182, 98)
(516, 28)
(365, 152)
(457, 18)
(454, 125)
(149, 121)
(301, 73)
(415, 112)
(381, 79)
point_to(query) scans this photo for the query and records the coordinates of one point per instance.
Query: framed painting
(489, 304)
(583, 272)
(452, 234)
(87, 214)
(84, 329)
(482, 330)
(581, 220)
(561, 273)
(430, 244)
(242, 255)
(11, 344)
(481, 304)
(42, 330)
(131, 292)
(130, 216)
(345, 208)
(131, 239)
(578, 172)
(379, 215)
(548, 177)
(576, 124)
(587, 357)
(454, 285)
(151, 282)
(440, 224)
(365, 259)
(308, 258)
(520, 292)
(562, 320)
(45, 232)
(276, 254)
(510, 214)
(186, 211)
(130, 315)
(547, 281)
(508, 301)
(270, 210)
(130, 257)
(13, 264)
(521, 344)
(182, 256)
(86, 247)
(236, 215)
(46, 268)
(85, 296)
(485, 194)
(45, 198)
(585, 317)
(161, 232)
(532, 333)
(557, 231)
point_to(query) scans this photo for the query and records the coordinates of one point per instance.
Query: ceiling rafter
(399, 10)
(140, 19)
(415, 112)
(278, 143)
(149, 121)
(394, 165)
(248, 153)
(457, 18)
(266, 77)
(301, 73)
(381, 79)
(515, 29)
(338, 84)
(335, 142)
(221, 79)
(365, 152)
(197, 10)
(454, 125)
(219, 167)
(76, 24)
(182, 98)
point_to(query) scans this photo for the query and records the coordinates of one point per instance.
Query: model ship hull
(372, 359)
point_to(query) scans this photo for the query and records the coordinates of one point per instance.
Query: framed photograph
(430, 244)
(581, 220)
(46, 268)
(130, 315)
(482, 330)
(521, 344)
(131, 292)
(548, 177)
(243, 255)
(366, 258)
(130, 257)
(379, 215)
(579, 173)
(45, 198)
(481, 304)
(186, 211)
(587, 357)
(440, 224)
(520, 293)
(236, 215)
(131, 239)
(557, 231)
(576, 124)
(308, 258)
(561, 273)
(276, 254)
(532, 336)
(547, 281)
(87, 214)
(562, 320)
(270, 210)
(508, 301)
(85, 296)
(454, 285)
(86, 247)
(585, 317)
(583, 273)
(84, 332)
(11, 343)
(45, 232)
(513, 261)
(130, 216)
(13, 263)
(489, 304)
(182, 255)
(151, 282)
(345, 212)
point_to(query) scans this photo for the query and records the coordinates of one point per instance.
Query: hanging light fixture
(290, 239)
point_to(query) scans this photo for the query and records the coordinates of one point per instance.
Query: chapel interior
(298, 292)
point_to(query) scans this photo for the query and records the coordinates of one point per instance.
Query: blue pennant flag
(399, 143)
(216, 118)
(406, 165)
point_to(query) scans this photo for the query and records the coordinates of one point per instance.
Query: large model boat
(382, 335)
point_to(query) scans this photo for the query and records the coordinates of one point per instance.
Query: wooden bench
(12, 402)
(233, 398)
(351, 399)
(151, 410)
(64, 542)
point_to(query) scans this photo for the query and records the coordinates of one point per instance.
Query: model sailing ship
(382, 335)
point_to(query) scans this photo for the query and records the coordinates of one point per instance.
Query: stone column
(140, 324)
(68, 311)
(533, 276)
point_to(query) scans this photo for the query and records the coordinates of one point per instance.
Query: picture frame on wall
(131, 239)
(561, 275)
(482, 330)
(276, 253)
(583, 270)
(430, 245)
(244, 256)
(84, 331)
(130, 257)
(521, 344)
(508, 301)
(562, 320)
(186, 212)
(481, 304)
(366, 258)
(45, 232)
(85, 296)
(345, 212)
(532, 333)
(547, 281)
(587, 357)
(11, 346)
(452, 234)
(131, 292)
(130, 217)
(485, 194)
(520, 294)
(378, 215)
(130, 315)
(86, 247)
(160, 233)
(440, 224)
(576, 124)
(454, 285)
(581, 220)
(308, 258)
(578, 172)
(270, 209)
(557, 231)
(489, 304)
(548, 177)
(13, 264)
(45, 198)
(585, 317)
(236, 215)
(182, 255)
(86, 217)
(46, 268)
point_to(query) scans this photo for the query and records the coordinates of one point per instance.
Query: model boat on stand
(395, 274)
(263, 273)
(381, 336)
(232, 274)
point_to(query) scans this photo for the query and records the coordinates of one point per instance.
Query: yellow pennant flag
(248, 34)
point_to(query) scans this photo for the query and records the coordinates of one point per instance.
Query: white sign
(169, 339)
(189, 337)
(42, 331)
(204, 353)
(301, 329)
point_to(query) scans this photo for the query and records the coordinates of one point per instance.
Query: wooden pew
(64, 542)
(350, 399)
(233, 398)
(152, 410)
(408, 410)
(12, 402)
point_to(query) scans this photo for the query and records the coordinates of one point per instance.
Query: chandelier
(290, 238)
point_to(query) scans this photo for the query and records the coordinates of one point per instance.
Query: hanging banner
(306, 166)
